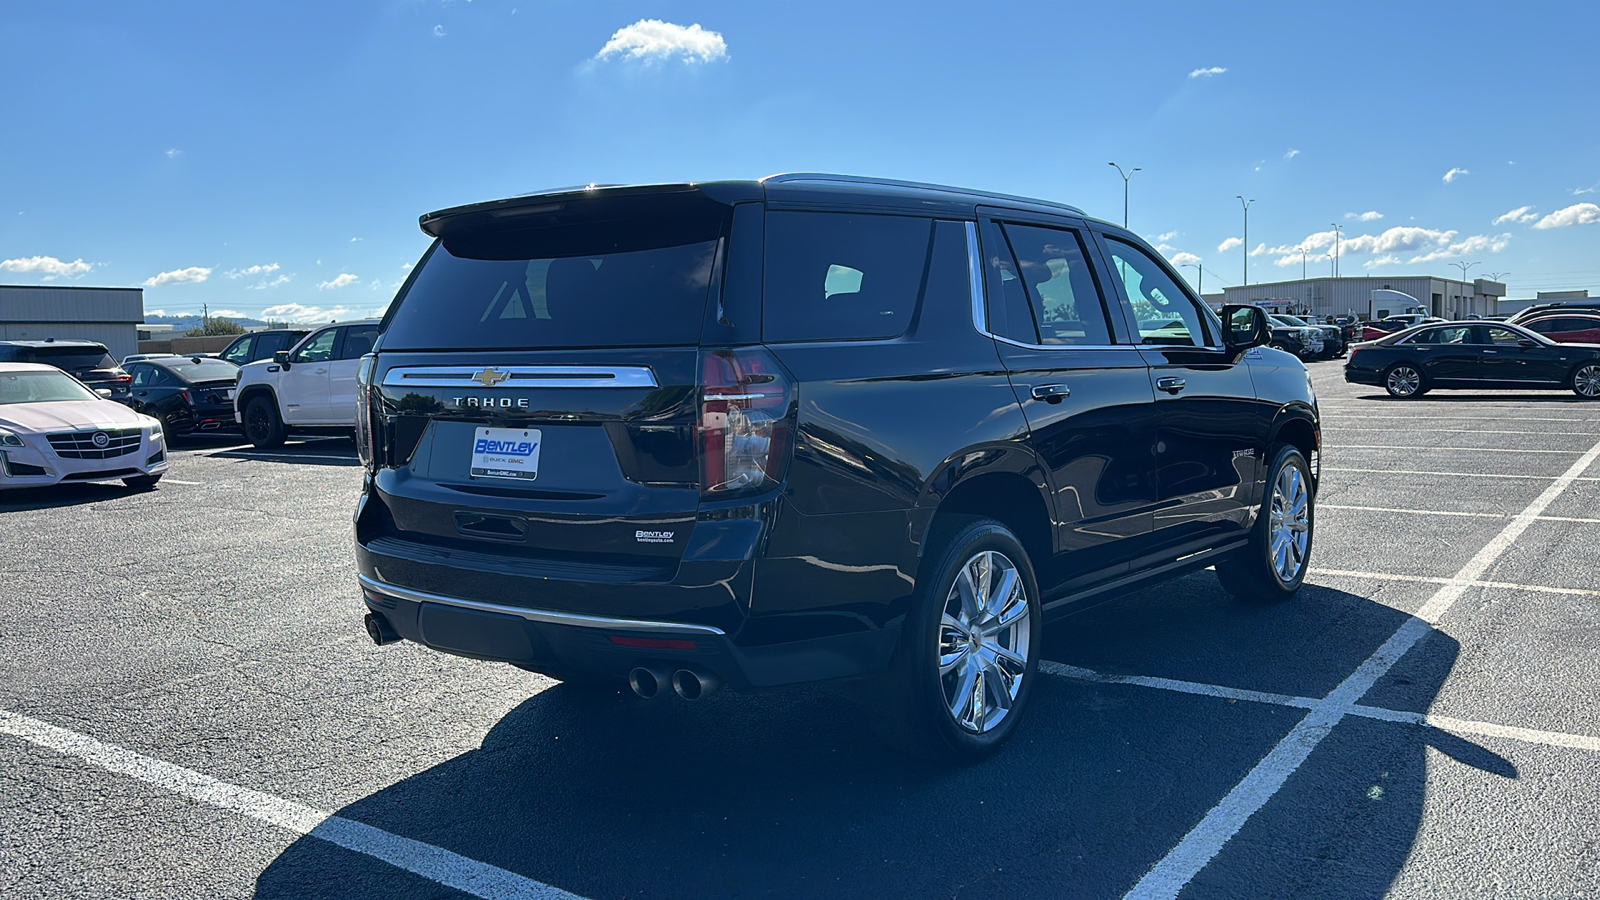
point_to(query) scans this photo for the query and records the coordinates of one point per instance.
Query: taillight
(745, 423)
(184, 394)
(124, 379)
(366, 398)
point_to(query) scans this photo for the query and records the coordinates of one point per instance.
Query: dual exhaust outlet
(690, 684)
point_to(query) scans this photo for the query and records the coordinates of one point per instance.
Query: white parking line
(1483, 418)
(1443, 723)
(1336, 426)
(1175, 870)
(1447, 474)
(1447, 512)
(433, 863)
(1418, 447)
(1428, 579)
(176, 481)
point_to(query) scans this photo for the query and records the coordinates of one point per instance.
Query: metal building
(1444, 297)
(68, 312)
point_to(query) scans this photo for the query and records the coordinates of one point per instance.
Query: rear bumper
(566, 645)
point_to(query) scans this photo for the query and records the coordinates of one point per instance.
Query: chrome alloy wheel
(1404, 381)
(984, 638)
(1586, 381)
(1290, 523)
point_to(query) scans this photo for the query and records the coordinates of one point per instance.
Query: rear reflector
(652, 643)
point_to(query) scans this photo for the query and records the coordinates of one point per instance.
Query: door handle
(322, 371)
(1491, 351)
(1170, 384)
(1051, 393)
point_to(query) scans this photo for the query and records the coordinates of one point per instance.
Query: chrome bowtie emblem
(101, 439)
(490, 377)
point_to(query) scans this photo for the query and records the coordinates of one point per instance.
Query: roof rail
(825, 178)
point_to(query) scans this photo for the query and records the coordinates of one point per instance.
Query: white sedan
(53, 429)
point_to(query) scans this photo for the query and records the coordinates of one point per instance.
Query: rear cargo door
(538, 388)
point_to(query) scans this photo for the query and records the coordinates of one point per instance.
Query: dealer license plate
(505, 453)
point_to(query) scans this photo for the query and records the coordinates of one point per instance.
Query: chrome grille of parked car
(82, 444)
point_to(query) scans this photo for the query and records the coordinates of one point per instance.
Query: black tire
(1253, 573)
(914, 713)
(1585, 381)
(142, 482)
(1405, 386)
(261, 423)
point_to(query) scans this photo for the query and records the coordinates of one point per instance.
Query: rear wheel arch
(1008, 497)
(254, 391)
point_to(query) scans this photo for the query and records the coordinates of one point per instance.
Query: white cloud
(252, 270)
(1576, 214)
(294, 312)
(376, 283)
(652, 40)
(1163, 238)
(1520, 214)
(1386, 260)
(1291, 154)
(343, 279)
(174, 153)
(264, 284)
(1370, 215)
(1184, 259)
(1229, 244)
(228, 313)
(48, 267)
(406, 267)
(1575, 191)
(1207, 73)
(354, 239)
(438, 31)
(1260, 250)
(1425, 245)
(1453, 174)
(191, 275)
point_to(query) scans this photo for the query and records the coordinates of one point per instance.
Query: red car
(1567, 328)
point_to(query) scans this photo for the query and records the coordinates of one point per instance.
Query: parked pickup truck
(310, 388)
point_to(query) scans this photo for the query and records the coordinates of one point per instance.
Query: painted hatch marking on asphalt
(433, 863)
(1173, 872)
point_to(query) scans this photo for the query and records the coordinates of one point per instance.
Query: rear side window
(638, 281)
(842, 276)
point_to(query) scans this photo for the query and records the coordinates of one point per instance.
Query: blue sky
(273, 157)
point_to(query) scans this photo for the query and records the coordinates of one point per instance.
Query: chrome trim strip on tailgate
(541, 615)
(476, 377)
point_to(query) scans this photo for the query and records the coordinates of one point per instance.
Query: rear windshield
(204, 370)
(41, 387)
(73, 359)
(605, 284)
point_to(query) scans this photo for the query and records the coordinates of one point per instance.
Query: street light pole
(1201, 286)
(1302, 263)
(1336, 227)
(1464, 266)
(1246, 204)
(1125, 176)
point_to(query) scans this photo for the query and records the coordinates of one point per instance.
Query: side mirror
(1247, 327)
(1527, 342)
(281, 357)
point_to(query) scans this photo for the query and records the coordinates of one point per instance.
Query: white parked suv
(310, 388)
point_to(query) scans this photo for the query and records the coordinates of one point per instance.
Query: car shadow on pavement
(64, 495)
(790, 794)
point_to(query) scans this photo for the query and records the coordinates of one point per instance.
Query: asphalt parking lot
(189, 708)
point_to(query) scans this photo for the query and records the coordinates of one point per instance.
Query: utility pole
(1302, 263)
(205, 316)
(1125, 176)
(1246, 204)
(1336, 227)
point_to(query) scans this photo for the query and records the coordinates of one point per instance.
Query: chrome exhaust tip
(647, 683)
(692, 685)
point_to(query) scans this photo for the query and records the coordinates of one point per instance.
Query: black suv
(810, 428)
(88, 361)
(247, 348)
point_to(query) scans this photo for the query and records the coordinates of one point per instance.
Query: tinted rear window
(204, 370)
(72, 359)
(838, 276)
(617, 283)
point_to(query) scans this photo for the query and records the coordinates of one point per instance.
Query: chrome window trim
(523, 377)
(980, 317)
(547, 617)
